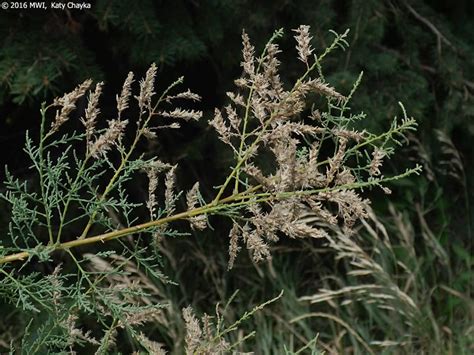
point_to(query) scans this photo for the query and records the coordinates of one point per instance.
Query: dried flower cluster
(68, 104)
(111, 136)
(265, 119)
(147, 88)
(192, 200)
(124, 98)
(92, 112)
(303, 40)
(201, 339)
(152, 170)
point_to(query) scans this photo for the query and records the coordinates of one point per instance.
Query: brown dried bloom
(187, 95)
(202, 340)
(75, 334)
(351, 206)
(153, 347)
(303, 40)
(336, 160)
(248, 53)
(92, 111)
(112, 135)
(170, 197)
(259, 109)
(139, 316)
(344, 177)
(152, 185)
(193, 330)
(259, 250)
(152, 171)
(317, 209)
(241, 82)
(233, 117)
(123, 99)
(236, 98)
(220, 127)
(324, 89)
(377, 160)
(234, 248)
(290, 104)
(192, 200)
(270, 66)
(257, 174)
(285, 154)
(146, 88)
(300, 185)
(56, 283)
(183, 114)
(349, 134)
(68, 104)
(149, 133)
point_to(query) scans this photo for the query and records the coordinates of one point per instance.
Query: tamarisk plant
(296, 154)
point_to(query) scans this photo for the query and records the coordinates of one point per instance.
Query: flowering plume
(192, 200)
(68, 104)
(92, 111)
(123, 99)
(111, 136)
(147, 88)
(308, 173)
(303, 40)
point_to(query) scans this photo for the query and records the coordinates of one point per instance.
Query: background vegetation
(420, 237)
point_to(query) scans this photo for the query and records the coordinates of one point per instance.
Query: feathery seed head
(183, 114)
(234, 236)
(170, 182)
(193, 330)
(92, 111)
(303, 43)
(186, 95)
(147, 88)
(68, 103)
(221, 128)
(192, 200)
(111, 136)
(377, 160)
(123, 99)
(248, 53)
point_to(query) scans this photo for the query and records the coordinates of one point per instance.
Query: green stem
(44, 198)
(124, 160)
(258, 138)
(247, 110)
(209, 208)
(69, 198)
(237, 200)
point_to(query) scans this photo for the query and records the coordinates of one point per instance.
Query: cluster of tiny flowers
(311, 183)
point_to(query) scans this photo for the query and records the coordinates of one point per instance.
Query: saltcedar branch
(137, 228)
(236, 200)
